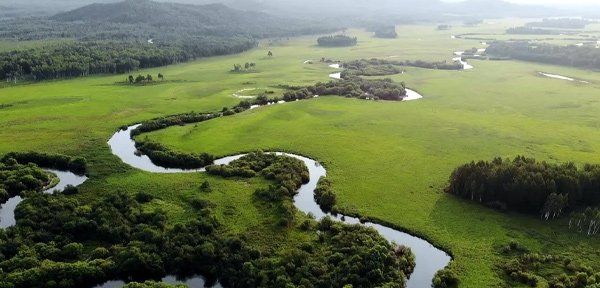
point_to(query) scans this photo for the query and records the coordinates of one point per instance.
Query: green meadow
(387, 160)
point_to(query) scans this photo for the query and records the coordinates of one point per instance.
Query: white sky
(549, 2)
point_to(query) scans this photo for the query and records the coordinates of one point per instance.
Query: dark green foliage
(343, 255)
(161, 155)
(587, 57)
(143, 197)
(324, 195)
(15, 178)
(70, 190)
(352, 87)
(445, 278)
(287, 172)
(173, 120)
(337, 41)
(381, 67)
(76, 165)
(205, 187)
(528, 186)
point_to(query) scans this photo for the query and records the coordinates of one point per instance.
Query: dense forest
(563, 23)
(73, 59)
(582, 57)
(337, 41)
(60, 241)
(528, 186)
(126, 36)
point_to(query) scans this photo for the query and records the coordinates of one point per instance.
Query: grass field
(386, 160)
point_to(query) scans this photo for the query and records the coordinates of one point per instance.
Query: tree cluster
(16, 179)
(337, 41)
(582, 57)
(287, 173)
(324, 195)
(165, 157)
(352, 87)
(77, 165)
(381, 67)
(385, 31)
(247, 67)
(527, 186)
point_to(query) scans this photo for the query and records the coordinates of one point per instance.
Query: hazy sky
(549, 2)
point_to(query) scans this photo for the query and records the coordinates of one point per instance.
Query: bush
(324, 195)
(445, 278)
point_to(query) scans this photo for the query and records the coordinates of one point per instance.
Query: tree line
(17, 179)
(563, 23)
(75, 59)
(337, 41)
(582, 57)
(528, 186)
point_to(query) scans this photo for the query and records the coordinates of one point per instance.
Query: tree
(247, 66)
(131, 79)
(270, 54)
(149, 78)
(139, 79)
(161, 76)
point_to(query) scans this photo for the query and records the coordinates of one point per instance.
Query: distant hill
(210, 19)
(145, 19)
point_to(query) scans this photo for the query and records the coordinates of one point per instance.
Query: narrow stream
(7, 210)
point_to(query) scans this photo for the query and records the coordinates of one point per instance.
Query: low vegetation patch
(18, 179)
(546, 270)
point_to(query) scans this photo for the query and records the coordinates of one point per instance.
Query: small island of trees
(337, 41)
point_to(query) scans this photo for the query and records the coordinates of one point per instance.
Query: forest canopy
(587, 57)
(528, 186)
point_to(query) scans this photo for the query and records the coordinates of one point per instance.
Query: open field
(387, 160)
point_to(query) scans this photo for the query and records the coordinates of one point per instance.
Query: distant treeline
(73, 59)
(528, 186)
(563, 23)
(381, 67)
(385, 31)
(337, 41)
(530, 31)
(581, 57)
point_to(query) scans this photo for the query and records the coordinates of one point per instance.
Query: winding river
(429, 259)
(7, 210)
